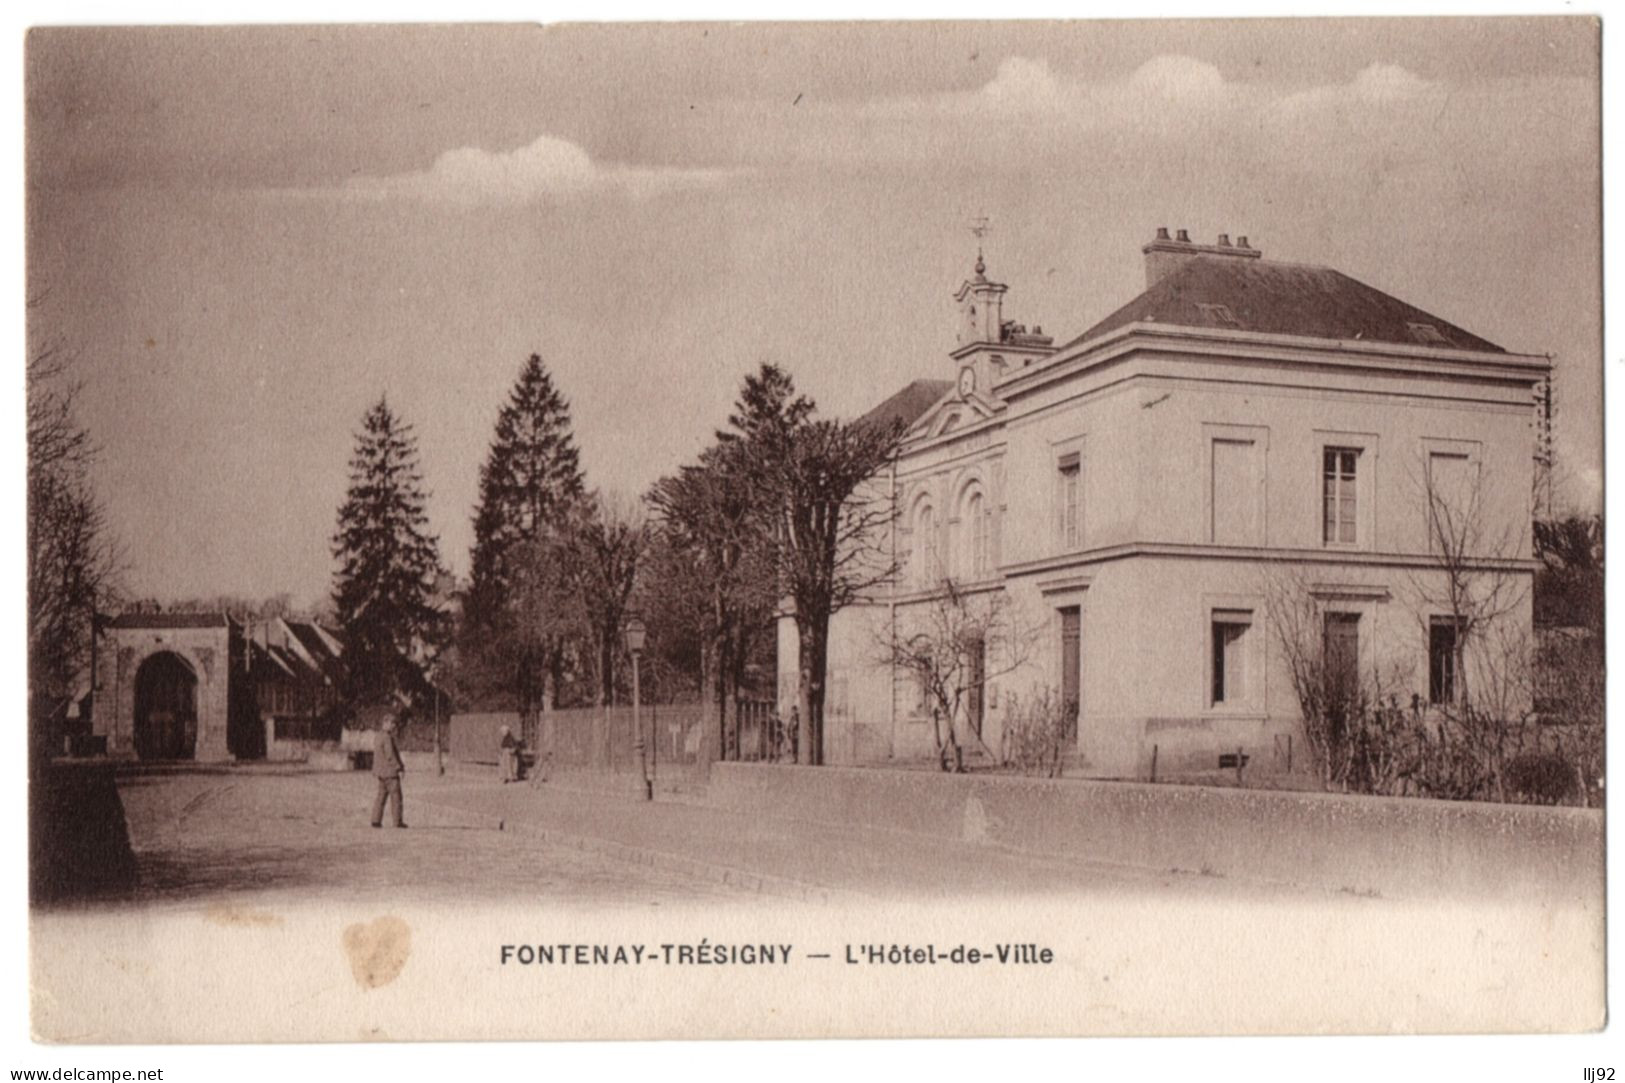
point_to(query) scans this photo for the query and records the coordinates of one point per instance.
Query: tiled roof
(305, 657)
(1283, 299)
(168, 620)
(907, 405)
(313, 640)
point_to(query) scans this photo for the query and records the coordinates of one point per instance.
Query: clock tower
(981, 307)
(989, 345)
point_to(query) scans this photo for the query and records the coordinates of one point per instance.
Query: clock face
(967, 381)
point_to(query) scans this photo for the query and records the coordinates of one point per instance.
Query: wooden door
(1071, 667)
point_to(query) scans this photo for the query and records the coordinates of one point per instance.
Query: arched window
(971, 554)
(927, 568)
(976, 524)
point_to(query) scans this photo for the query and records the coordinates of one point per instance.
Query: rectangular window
(1230, 635)
(1452, 492)
(1342, 653)
(1071, 667)
(1338, 500)
(1442, 637)
(1069, 499)
(1237, 517)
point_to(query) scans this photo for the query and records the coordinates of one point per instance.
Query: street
(273, 882)
(272, 836)
(255, 837)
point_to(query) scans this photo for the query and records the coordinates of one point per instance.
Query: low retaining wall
(78, 840)
(1395, 847)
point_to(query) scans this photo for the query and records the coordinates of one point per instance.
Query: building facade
(1143, 510)
(208, 687)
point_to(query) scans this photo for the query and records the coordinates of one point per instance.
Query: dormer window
(1427, 334)
(1219, 315)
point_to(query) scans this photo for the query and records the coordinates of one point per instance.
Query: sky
(245, 236)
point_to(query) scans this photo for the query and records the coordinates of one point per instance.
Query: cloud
(1021, 83)
(1026, 86)
(1386, 82)
(546, 169)
(1180, 78)
(1374, 86)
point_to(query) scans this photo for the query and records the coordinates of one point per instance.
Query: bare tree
(74, 560)
(1470, 577)
(951, 647)
(606, 540)
(1471, 586)
(1356, 720)
(718, 568)
(1468, 724)
(816, 514)
(828, 526)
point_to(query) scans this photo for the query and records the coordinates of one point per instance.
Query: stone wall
(1393, 847)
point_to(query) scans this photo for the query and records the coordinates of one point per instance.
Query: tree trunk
(606, 667)
(709, 707)
(605, 742)
(804, 709)
(736, 685)
(547, 745)
(814, 659)
(728, 684)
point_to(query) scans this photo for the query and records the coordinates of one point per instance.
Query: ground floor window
(1071, 666)
(920, 685)
(1231, 635)
(1443, 634)
(1340, 658)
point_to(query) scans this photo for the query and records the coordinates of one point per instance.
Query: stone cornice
(1275, 555)
(1251, 346)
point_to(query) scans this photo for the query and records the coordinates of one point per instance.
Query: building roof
(909, 404)
(321, 644)
(168, 620)
(297, 650)
(1284, 299)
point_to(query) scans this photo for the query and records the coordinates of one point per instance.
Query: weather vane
(980, 229)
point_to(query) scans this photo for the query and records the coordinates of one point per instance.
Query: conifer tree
(529, 485)
(388, 563)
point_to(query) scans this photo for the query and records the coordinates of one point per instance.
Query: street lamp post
(635, 633)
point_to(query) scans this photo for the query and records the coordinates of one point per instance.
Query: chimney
(1163, 257)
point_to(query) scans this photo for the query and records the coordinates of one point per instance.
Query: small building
(1137, 497)
(208, 687)
(294, 674)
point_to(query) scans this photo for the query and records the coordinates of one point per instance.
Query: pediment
(952, 412)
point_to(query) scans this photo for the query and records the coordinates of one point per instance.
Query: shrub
(1541, 778)
(1036, 732)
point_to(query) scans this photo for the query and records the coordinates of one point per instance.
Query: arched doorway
(165, 708)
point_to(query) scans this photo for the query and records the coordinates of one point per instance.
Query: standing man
(509, 756)
(387, 768)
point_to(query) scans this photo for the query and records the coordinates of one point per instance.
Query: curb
(665, 861)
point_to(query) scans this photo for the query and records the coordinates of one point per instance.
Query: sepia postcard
(814, 530)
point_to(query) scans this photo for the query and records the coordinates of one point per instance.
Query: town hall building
(1144, 497)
